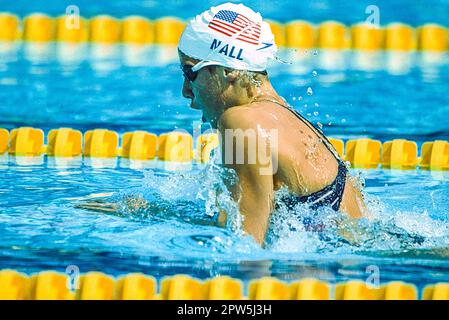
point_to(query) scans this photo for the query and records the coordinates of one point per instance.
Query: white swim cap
(229, 35)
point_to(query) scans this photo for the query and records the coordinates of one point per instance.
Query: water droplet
(315, 52)
(294, 98)
(309, 91)
(320, 125)
(316, 105)
(343, 120)
(300, 98)
(314, 73)
(316, 113)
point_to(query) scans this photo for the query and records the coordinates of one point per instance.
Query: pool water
(42, 228)
(347, 12)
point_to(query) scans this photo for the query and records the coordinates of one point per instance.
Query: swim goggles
(191, 72)
(188, 73)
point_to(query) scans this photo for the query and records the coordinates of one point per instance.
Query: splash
(302, 230)
(197, 197)
(193, 197)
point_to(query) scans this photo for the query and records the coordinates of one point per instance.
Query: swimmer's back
(305, 163)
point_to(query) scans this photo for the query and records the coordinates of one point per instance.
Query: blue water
(382, 96)
(415, 13)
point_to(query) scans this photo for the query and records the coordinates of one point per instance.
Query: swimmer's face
(205, 91)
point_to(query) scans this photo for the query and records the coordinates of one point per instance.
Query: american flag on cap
(231, 23)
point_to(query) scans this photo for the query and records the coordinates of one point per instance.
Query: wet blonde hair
(248, 79)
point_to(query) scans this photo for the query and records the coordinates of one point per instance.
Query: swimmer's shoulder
(248, 117)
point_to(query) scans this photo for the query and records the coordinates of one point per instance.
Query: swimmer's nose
(187, 90)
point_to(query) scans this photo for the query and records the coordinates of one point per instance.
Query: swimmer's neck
(246, 96)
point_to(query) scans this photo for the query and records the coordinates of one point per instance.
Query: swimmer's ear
(230, 74)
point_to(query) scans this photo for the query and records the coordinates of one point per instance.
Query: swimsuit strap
(317, 131)
(331, 195)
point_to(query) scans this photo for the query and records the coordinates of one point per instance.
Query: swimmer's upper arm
(255, 196)
(254, 191)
